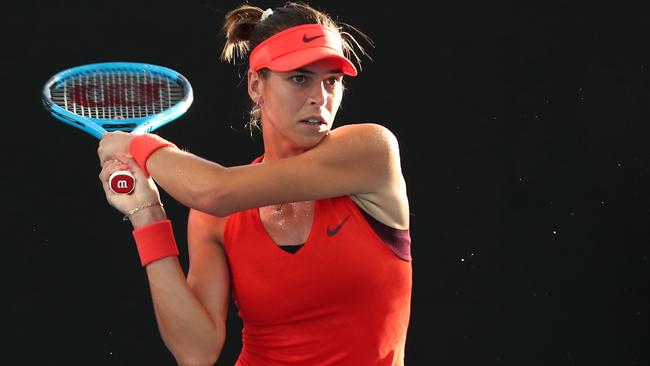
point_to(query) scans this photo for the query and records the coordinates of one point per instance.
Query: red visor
(298, 46)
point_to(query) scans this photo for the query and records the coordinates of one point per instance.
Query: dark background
(523, 130)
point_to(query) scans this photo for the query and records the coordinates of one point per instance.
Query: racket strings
(117, 94)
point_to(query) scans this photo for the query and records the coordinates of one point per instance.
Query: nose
(318, 94)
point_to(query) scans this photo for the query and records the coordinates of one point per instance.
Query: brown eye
(333, 81)
(299, 79)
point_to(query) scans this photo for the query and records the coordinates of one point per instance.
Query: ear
(254, 85)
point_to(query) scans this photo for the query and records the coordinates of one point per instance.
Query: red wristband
(142, 146)
(155, 241)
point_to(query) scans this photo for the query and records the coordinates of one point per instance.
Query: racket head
(117, 96)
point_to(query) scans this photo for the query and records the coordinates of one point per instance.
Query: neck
(278, 146)
(273, 152)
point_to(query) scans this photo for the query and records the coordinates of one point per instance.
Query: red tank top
(342, 299)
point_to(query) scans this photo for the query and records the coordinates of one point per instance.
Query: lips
(313, 120)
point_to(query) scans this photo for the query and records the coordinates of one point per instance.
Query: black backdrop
(523, 131)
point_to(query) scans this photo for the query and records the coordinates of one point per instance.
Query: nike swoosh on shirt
(309, 39)
(332, 232)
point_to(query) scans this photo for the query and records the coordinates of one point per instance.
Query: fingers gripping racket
(117, 96)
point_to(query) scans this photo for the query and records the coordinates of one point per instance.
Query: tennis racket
(117, 96)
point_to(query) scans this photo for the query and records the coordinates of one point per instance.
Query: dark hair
(244, 30)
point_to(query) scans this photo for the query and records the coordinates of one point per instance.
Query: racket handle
(122, 181)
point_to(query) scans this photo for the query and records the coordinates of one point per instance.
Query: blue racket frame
(141, 125)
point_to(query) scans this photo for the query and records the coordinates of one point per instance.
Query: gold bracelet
(138, 209)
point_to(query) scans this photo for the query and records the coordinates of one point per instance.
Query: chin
(309, 142)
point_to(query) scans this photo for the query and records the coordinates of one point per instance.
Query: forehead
(324, 66)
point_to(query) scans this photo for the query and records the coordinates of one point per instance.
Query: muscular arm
(191, 313)
(360, 160)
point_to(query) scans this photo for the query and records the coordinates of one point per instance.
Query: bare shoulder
(377, 146)
(364, 127)
(371, 136)
(363, 146)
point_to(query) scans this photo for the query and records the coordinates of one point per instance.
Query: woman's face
(299, 106)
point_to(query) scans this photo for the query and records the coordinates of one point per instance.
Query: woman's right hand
(145, 193)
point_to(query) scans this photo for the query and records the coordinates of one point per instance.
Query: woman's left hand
(145, 194)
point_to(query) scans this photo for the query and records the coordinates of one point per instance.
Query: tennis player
(311, 238)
